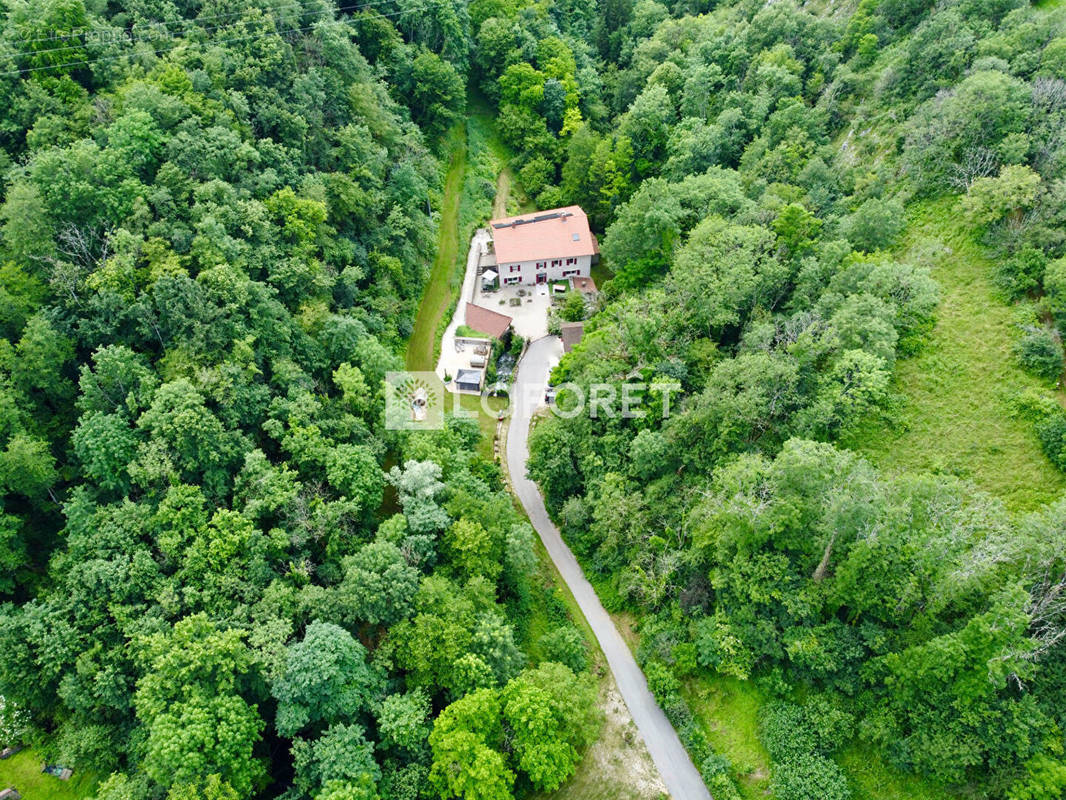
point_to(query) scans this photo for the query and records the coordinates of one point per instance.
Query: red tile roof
(543, 235)
(486, 320)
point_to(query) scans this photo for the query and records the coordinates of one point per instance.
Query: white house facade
(553, 269)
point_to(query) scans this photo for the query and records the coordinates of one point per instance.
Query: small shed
(468, 380)
(488, 279)
(571, 333)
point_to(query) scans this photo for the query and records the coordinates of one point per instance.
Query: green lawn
(23, 771)
(600, 274)
(728, 710)
(955, 414)
(872, 779)
(436, 297)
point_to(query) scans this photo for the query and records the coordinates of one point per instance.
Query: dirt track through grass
(437, 295)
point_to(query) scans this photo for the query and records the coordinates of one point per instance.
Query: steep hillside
(834, 227)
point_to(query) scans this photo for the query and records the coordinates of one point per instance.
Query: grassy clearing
(509, 199)
(872, 779)
(486, 183)
(23, 771)
(504, 182)
(728, 711)
(420, 346)
(600, 274)
(955, 414)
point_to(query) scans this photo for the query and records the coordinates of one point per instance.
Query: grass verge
(435, 298)
(486, 420)
(728, 712)
(23, 771)
(486, 183)
(955, 413)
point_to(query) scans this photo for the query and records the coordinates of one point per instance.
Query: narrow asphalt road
(682, 779)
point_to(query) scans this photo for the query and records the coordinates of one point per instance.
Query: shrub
(1021, 273)
(1045, 779)
(662, 682)
(567, 646)
(715, 769)
(722, 787)
(1051, 431)
(1040, 352)
(874, 225)
(715, 764)
(808, 777)
(830, 725)
(791, 731)
(573, 308)
(784, 732)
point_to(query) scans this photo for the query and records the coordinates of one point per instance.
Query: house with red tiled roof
(544, 246)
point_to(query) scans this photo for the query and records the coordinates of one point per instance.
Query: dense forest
(222, 577)
(754, 167)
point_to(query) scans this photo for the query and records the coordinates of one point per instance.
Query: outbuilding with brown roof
(487, 321)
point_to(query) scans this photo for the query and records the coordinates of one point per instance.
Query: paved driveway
(449, 361)
(676, 768)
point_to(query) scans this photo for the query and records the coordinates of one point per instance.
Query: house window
(557, 262)
(570, 261)
(512, 280)
(540, 265)
(516, 268)
(568, 272)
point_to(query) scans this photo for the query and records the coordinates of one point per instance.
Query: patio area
(527, 305)
(464, 355)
